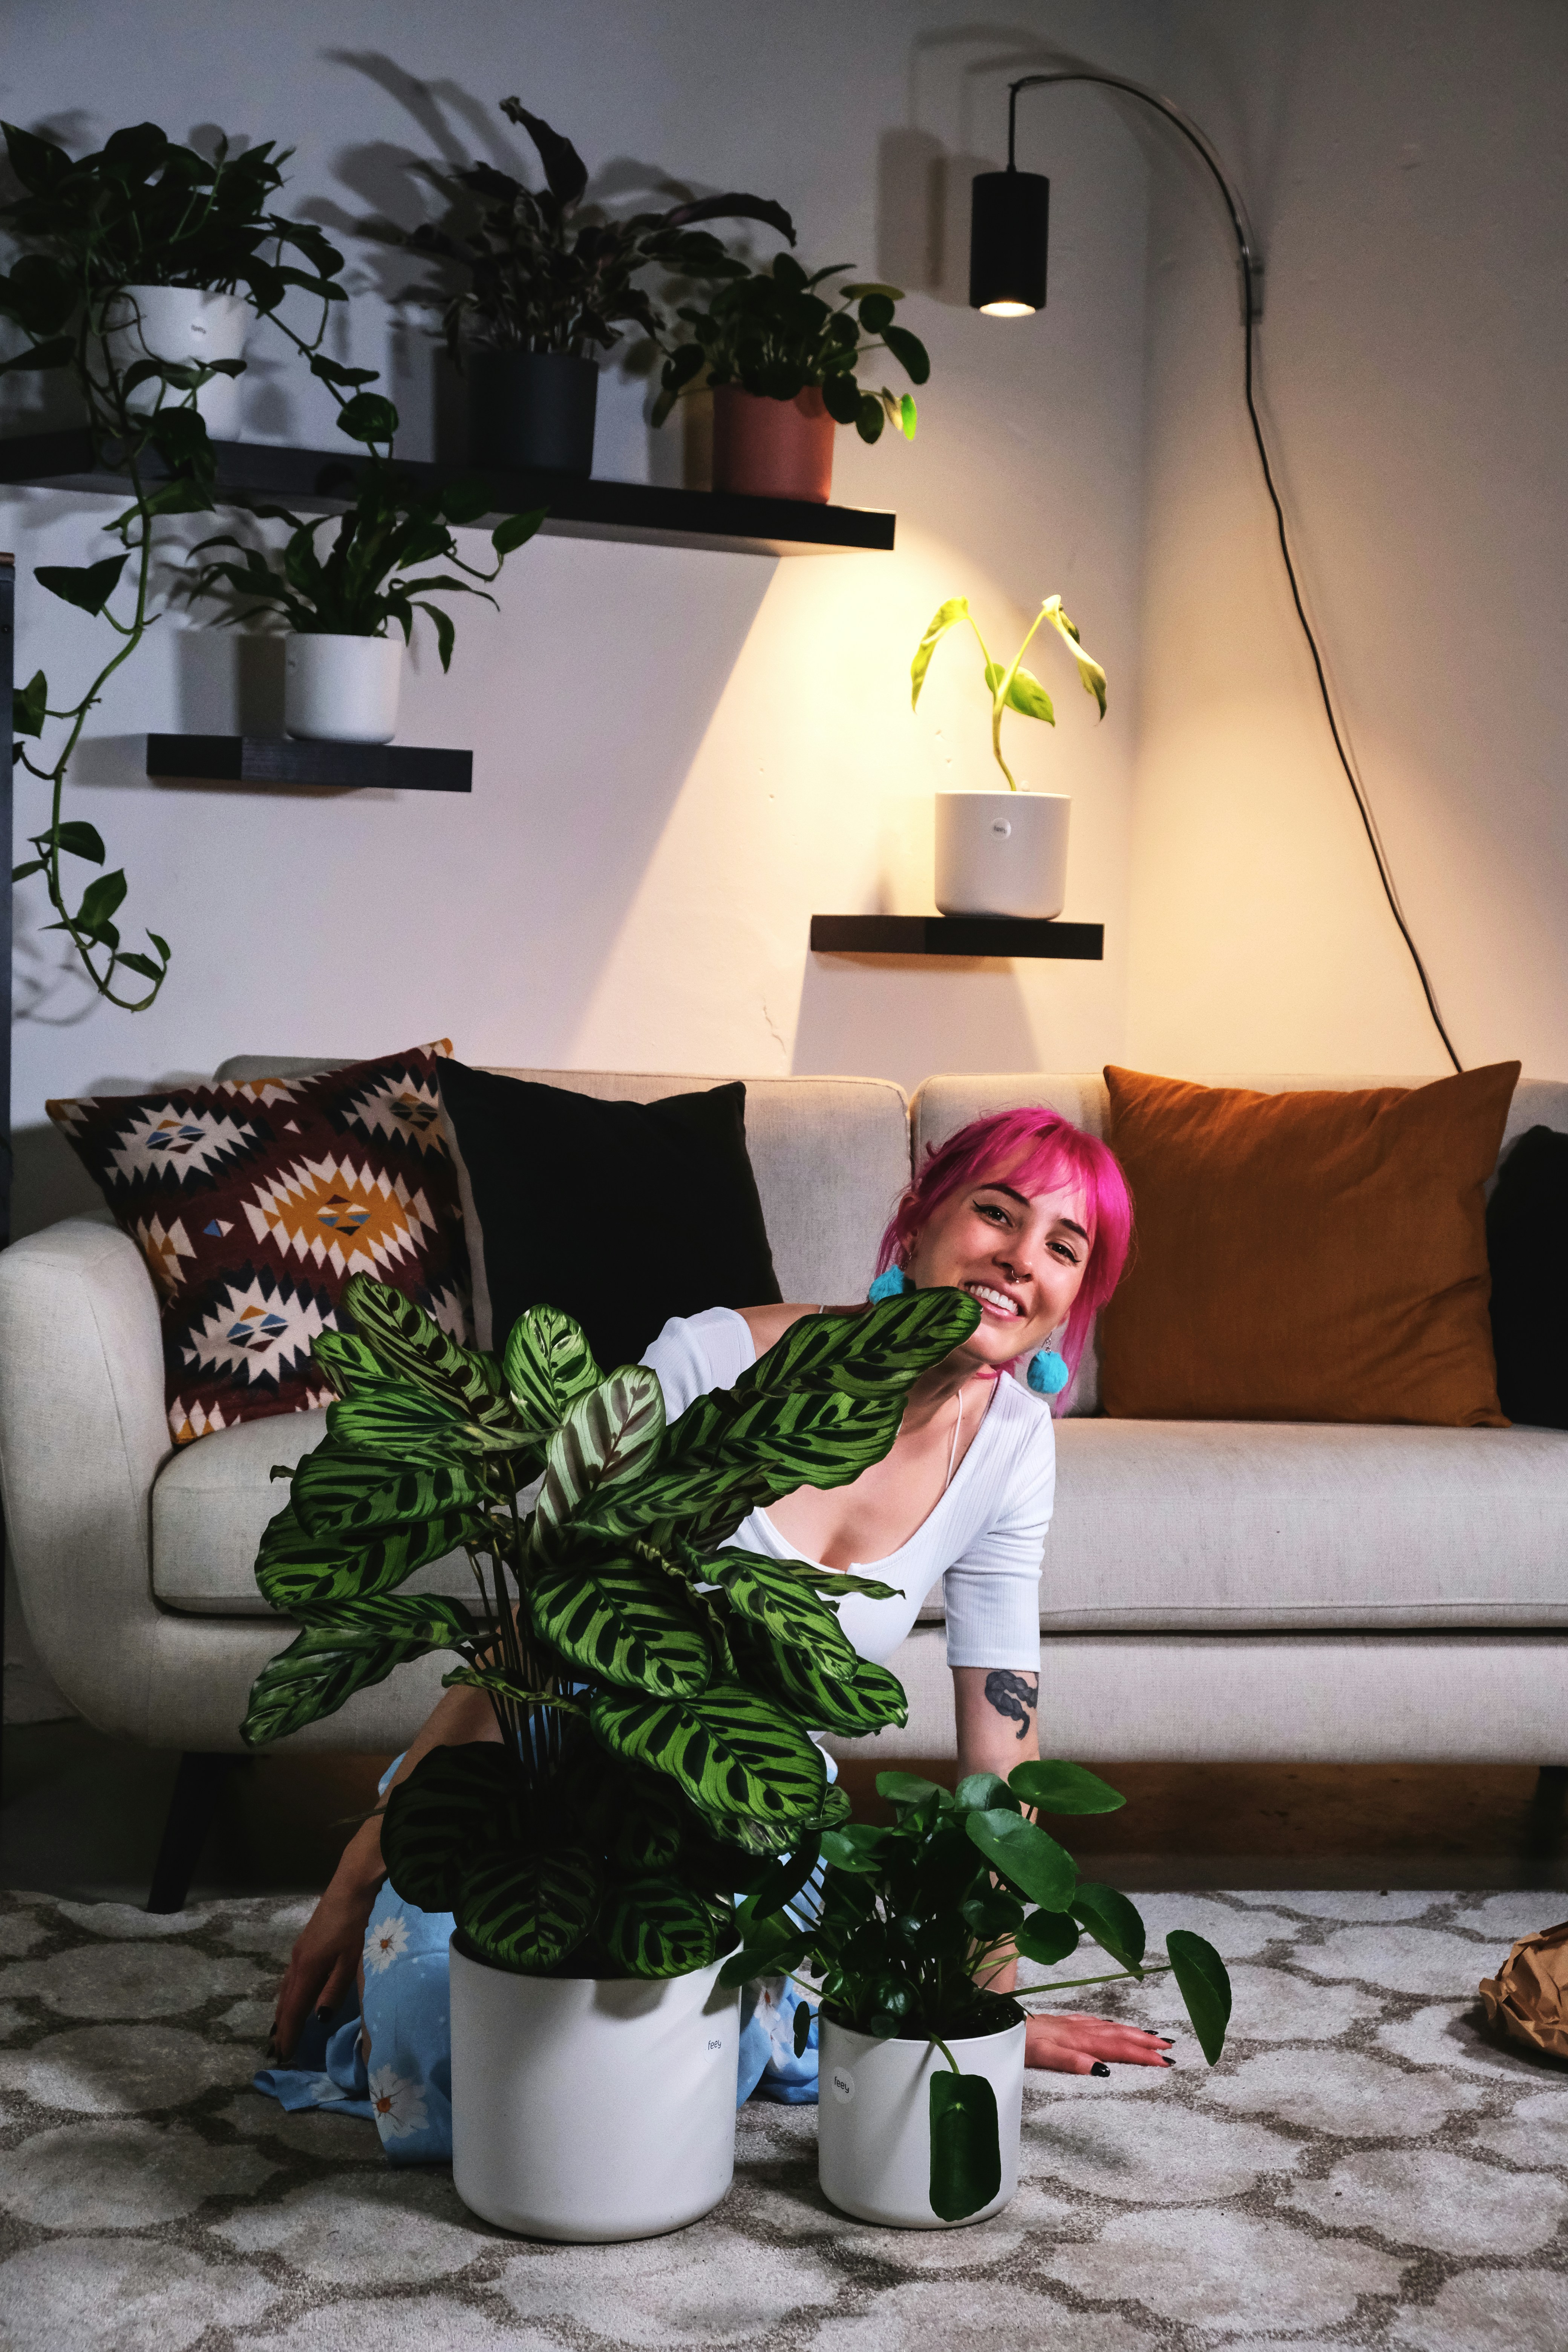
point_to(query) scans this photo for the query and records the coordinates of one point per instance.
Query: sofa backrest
(831, 1157)
(941, 1106)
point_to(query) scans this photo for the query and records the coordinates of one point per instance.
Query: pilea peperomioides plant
(653, 1692)
(909, 1925)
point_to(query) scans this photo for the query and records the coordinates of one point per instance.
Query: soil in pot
(531, 408)
(874, 2121)
(773, 449)
(591, 2109)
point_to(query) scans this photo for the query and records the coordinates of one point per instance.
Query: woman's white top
(983, 1539)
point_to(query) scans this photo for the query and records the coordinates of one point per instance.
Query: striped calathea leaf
(529, 1908)
(411, 1345)
(606, 1445)
(338, 1490)
(317, 1672)
(738, 1755)
(297, 1570)
(620, 1615)
(652, 1926)
(820, 1407)
(457, 1805)
(869, 1699)
(547, 1367)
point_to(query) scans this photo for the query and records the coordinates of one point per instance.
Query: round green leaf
(1040, 1869)
(1058, 1787)
(1204, 1986)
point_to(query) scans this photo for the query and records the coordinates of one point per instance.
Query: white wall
(678, 757)
(1407, 168)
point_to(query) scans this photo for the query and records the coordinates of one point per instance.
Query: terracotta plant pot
(773, 449)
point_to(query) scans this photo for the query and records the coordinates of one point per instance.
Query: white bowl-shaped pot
(589, 2108)
(343, 689)
(1002, 853)
(873, 2122)
(188, 324)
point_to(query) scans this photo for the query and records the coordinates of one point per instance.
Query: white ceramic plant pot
(188, 324)
(873, 2124)
(1002, 853)
(591, 2109)
(343, 689)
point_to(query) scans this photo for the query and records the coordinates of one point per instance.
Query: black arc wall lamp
(1009, 226)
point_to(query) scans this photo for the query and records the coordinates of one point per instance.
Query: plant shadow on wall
(425, 207)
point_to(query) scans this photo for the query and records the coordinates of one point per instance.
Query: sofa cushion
(1203, 1526)
(941, 1106)
(212, 1503)
(1317, 1255)
(555, 1184)
(254, 1201)
(830, 1156)
(1527, 1244)
(1245, 1526)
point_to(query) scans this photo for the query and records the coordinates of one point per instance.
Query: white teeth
(983, 1290)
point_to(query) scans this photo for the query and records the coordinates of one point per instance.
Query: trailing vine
(139, 212)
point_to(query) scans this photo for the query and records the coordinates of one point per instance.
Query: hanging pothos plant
(140, 211)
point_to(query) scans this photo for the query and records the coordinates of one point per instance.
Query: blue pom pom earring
(1048, 1374)
(891, 1284)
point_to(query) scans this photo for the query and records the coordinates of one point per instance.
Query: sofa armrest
(82, 1435)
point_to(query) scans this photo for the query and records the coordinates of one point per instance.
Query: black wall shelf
(955, 935)
(280, 760)
(319, 481)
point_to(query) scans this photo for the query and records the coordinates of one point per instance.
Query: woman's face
(1021, 1256)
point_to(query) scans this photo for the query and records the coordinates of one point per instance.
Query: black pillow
(621, 1214)
(1527, 1241)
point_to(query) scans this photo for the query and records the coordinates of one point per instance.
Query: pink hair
(1036, 1151)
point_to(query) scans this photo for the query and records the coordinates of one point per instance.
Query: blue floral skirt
(405, 2086)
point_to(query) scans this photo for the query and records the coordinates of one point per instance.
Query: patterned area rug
(1364, 2168)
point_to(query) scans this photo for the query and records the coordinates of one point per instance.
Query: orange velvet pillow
(1306, 1256)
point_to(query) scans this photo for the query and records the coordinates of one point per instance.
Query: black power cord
(1252, 307)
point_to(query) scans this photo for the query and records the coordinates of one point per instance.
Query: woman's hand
(1074, 2045)
(325, 1959)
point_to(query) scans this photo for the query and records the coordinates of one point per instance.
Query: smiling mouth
(996, 1300)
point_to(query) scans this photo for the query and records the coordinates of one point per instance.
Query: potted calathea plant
(550, 285)
(653, 1778)
(1004, 853)
(781, 357)
(922, 2062)
(139, 265)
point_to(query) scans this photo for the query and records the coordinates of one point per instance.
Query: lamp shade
(1008, 224)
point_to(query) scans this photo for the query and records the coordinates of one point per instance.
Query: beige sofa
(1210, 1590)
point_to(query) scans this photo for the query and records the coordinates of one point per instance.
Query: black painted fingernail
(1167, 2061)
(323, 2016)
(1098, 2067)
(1164, 2041)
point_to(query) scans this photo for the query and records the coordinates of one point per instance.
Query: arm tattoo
(1014, 1696)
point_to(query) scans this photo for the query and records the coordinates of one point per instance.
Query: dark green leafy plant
(546, 273)
(911, 1922)
(772, 333)
(365, 581)
(651, 1690)
(140, 211)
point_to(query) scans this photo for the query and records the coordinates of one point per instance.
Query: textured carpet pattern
(1364, 2168)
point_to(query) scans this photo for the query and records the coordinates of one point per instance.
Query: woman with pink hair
(1031, 1216)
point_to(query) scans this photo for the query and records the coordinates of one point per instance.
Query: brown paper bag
(1527, 1997)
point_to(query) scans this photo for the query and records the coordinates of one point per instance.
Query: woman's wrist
(361, 1869)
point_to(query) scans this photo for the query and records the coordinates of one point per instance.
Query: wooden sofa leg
(197, 1786)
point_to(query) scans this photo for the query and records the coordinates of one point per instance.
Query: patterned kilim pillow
(253, 1199)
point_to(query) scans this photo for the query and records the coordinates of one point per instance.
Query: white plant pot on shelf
(341, 689)
(873, 2122)
(1002, 853)
(188, 324)
(591, 2109)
